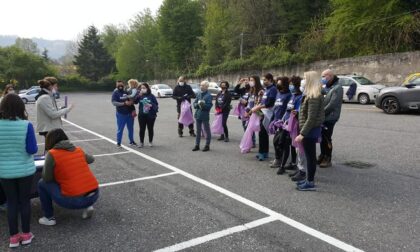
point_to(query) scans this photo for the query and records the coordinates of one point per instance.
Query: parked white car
(29, 89)
(214, 88)
(161, 90)
(29, 96)
(366, 90)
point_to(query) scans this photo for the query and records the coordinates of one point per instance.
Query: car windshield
(193, 85)
(163, 86)
(363, 81)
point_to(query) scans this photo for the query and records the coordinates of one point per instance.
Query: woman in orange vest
(66, 178)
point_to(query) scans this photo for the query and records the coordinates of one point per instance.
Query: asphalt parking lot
(170, 198)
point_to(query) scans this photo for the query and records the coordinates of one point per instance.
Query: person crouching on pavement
(202, 105)
(66, 178)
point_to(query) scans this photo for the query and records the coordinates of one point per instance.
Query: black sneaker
(299, 176)
(206, 148)
(281, 171)
(180, 132)
(226, 140)
(291, 167)
(119, 145)
(293, 173)
(196, 148)
(133, 143)
(221, 138)
(193, 134)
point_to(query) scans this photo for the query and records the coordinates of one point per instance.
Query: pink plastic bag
(253, 126)
(217, 125)
(186, 116)
(293, 128)
(237, 110)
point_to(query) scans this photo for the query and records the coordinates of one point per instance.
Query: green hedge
(75, 83)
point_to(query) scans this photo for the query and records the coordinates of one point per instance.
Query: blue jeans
(122, 120)
(49, 192)
(206, 125)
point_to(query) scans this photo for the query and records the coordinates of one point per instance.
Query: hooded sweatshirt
(48, 171)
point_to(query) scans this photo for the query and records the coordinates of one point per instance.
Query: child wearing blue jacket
(17, 167)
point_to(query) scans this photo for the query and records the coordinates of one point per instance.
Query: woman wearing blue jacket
(148, 108)
(17, 167)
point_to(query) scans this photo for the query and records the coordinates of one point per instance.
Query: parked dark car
(233, 94)
(406, 97)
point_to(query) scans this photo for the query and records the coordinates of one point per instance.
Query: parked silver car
(214, 88)
(29, 96)
(366, 91)
(161, 90)
(29, 89)
(195, 87)
(401, 98)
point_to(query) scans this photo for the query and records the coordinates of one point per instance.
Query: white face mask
(181, 83)
(252, 84)
(143, 91)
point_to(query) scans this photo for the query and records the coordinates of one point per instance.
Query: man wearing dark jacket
(332, 108)
(183, 92)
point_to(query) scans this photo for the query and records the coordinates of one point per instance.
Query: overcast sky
(58, 19)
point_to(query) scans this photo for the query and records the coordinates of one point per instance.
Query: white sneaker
(87, 213)
(150, 144)
(141, 145)
(47, 222)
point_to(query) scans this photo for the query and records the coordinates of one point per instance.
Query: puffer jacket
(311, 114)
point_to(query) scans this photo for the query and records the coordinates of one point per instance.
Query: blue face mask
(324, 81)
(292, 88)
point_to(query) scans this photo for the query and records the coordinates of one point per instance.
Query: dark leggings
(224, 123)
(18, 201)
(263, 139)
(283, 147)
(326, 143)
(149, 122)
(309, 145)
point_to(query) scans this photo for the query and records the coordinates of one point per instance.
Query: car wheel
(363, 99)
(25, 100)
(390, 105)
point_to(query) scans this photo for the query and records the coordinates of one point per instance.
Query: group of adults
(66, 177)
(298, 112)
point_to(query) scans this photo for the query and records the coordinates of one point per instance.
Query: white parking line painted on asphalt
(310, 231)
(74, 131)
(78, 141)
(112, 154)
(217, 235)
(137, 179)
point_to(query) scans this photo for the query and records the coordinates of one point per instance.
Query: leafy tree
(112, 37)
(24, 67)
(372, 27)
(92, 59)
(45, 55)
(27, 45)
(180, 25)
(138, 55)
